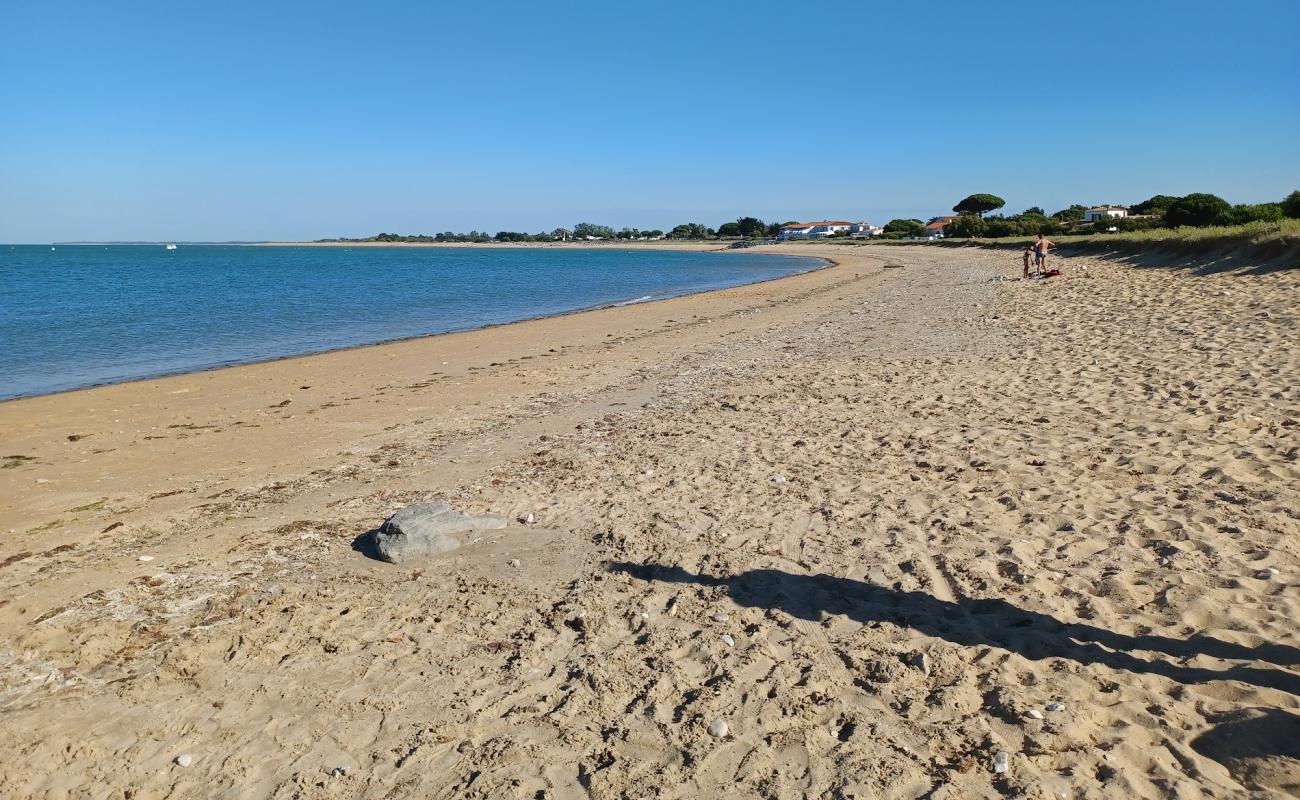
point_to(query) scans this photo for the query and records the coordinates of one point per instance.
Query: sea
(74, 316)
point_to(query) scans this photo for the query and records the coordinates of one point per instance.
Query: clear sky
(227, 120)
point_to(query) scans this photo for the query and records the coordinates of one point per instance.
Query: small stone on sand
(184, 760)
(727, 640)
(146, 558)
(1001, 761)
(1034, 713)
(718, 729)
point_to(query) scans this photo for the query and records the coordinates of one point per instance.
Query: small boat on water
(171, 247)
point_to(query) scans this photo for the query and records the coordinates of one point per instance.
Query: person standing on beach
(1040, 252)
(1029, 251)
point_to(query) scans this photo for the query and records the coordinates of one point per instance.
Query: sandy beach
(887, 521)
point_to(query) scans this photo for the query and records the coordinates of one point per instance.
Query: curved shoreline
(263, 422)
(825, 263)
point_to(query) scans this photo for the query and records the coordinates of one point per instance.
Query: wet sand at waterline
(883, 523)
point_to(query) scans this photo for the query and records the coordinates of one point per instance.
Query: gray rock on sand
(428, 529)
(1001, 761)
(922, 662)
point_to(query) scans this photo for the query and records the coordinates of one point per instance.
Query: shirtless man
(1040, 252)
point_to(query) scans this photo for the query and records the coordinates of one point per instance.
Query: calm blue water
(82, 315)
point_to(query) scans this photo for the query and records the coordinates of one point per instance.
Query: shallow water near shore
(84, 315)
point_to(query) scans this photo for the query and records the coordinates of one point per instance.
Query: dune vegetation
(1264, 239)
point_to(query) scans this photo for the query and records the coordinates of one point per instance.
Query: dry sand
(924, 504)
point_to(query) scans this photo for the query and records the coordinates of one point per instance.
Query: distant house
(862, 230)
(820, 230)
(935, 227)
(1103, 212)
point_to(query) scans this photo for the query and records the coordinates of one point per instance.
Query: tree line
(1198, 209)
(743, 227)
(974, 220)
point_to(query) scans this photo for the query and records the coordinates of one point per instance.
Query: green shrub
(906, 227)
(1261, 212)
(999, 227)
(1291, 205)
(1197, 210)
(1072, 214)
(966, 226)
(1143, 224)
(1155, 205)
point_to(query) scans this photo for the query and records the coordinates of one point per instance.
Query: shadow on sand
(994, 623)
(1211, 258)
(1259, 746)
(365, 545)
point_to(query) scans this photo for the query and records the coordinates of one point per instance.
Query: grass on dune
(1272, 234)
(1251, 232)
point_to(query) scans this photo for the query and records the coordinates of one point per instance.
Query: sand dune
(883, 523)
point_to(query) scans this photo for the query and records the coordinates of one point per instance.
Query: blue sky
(242, 120)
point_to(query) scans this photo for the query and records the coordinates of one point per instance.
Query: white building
(1101, 212)
(820, 230)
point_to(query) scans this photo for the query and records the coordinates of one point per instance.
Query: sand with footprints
(885, 524)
